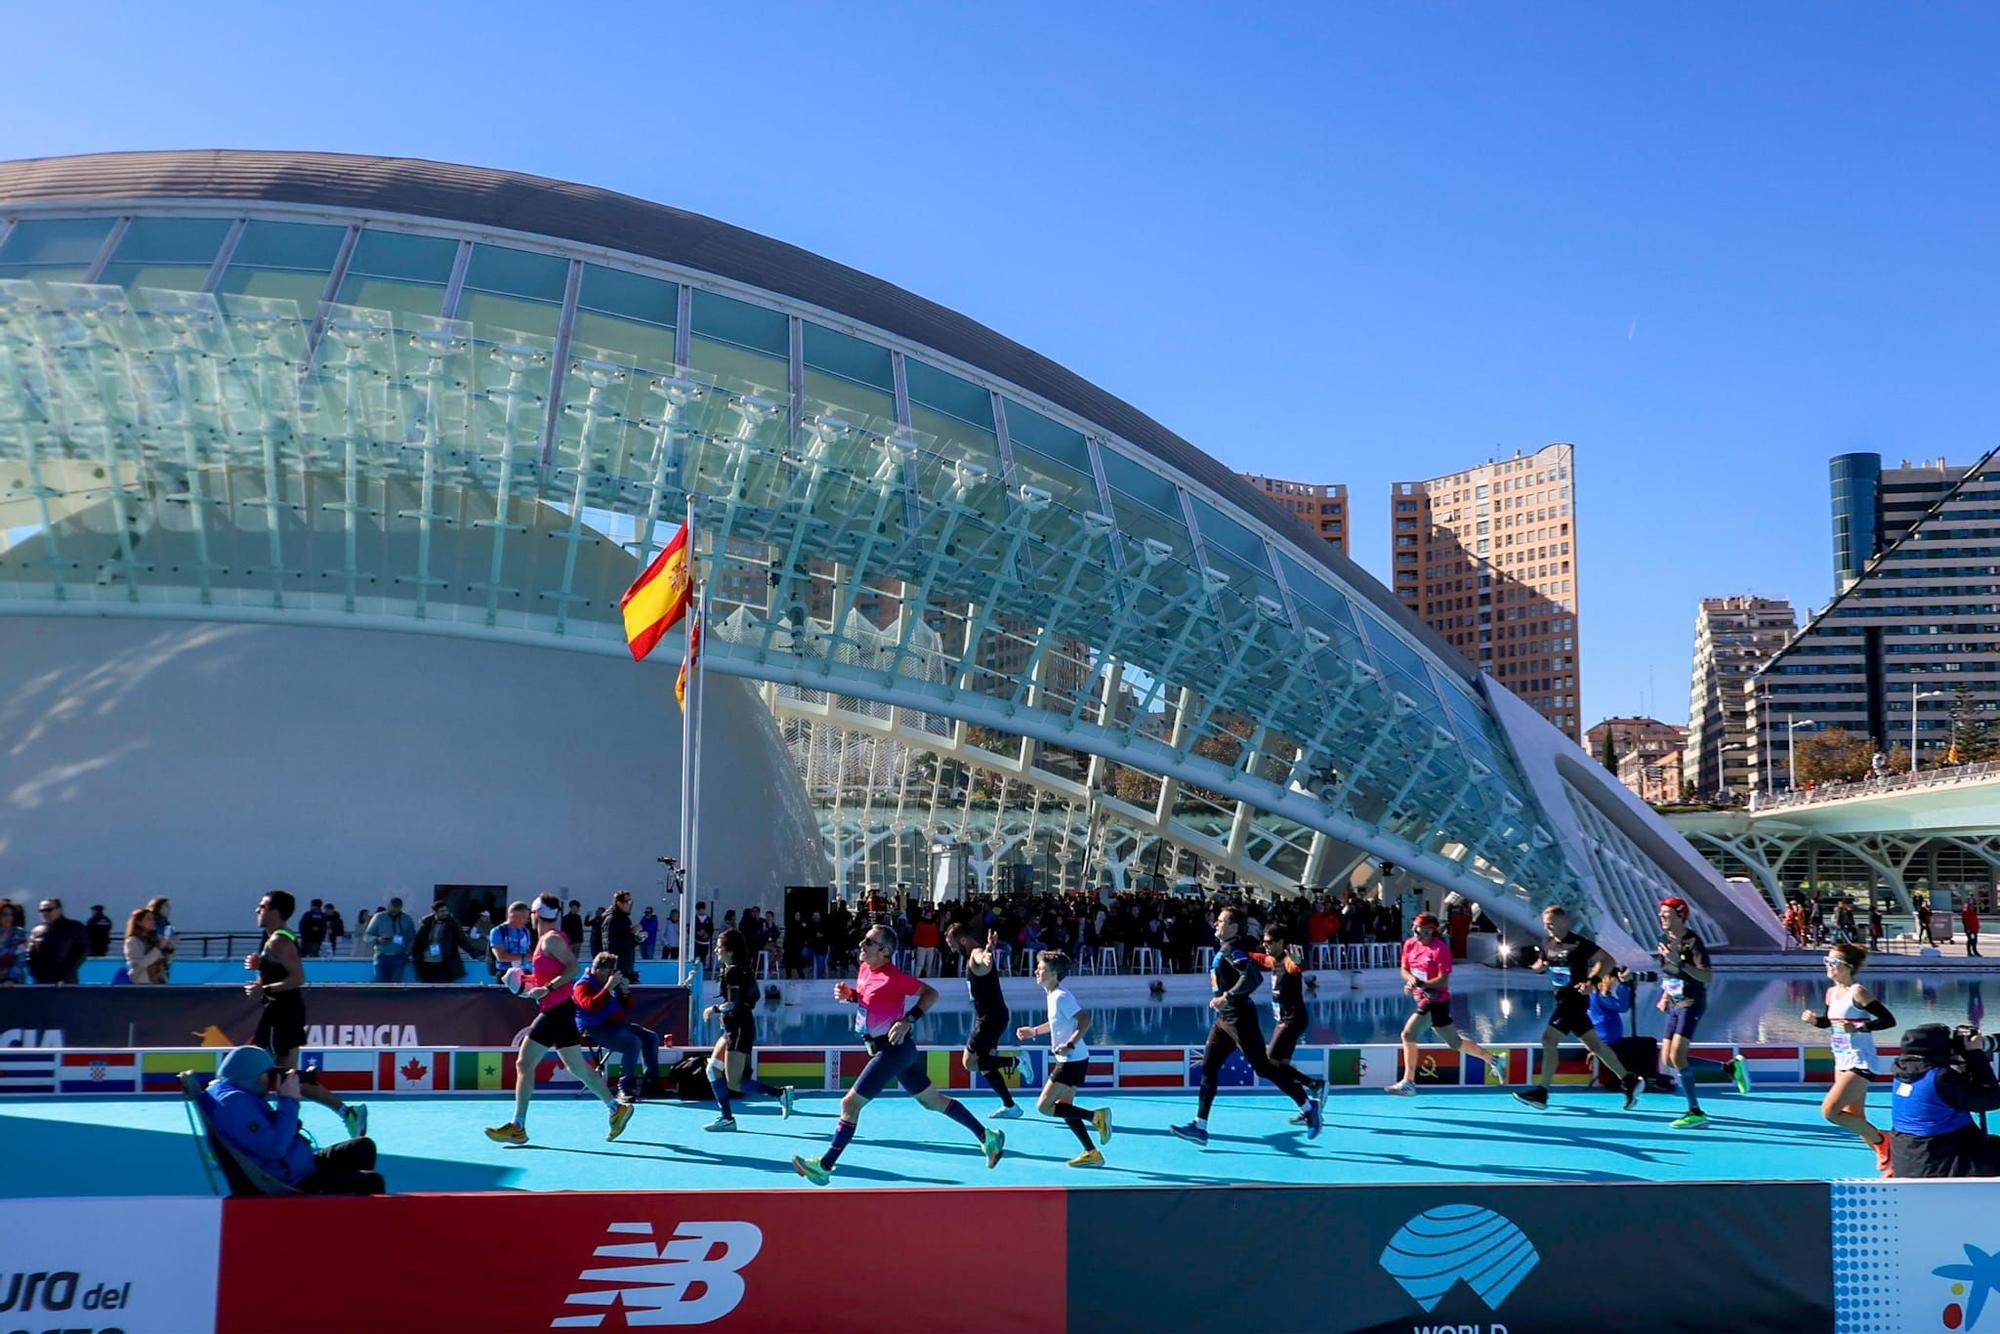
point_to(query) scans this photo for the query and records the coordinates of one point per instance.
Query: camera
(1967, 1039)
(1647, 976)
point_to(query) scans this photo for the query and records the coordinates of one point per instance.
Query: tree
(1833, 755)
(1609, 754)
(1972, 730)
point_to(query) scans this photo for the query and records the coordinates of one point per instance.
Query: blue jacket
(1604, 1011)
(267, 1135)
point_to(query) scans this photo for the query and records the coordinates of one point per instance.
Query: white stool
(1145, 959)
(767, 964)
(1382, 954)
(1204, 958)
(1107, 958)
(1322, 957)
(905, 960)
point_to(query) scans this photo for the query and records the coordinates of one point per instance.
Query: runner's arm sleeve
(1822, 1021)
(1247, 977)
(1879, 1017)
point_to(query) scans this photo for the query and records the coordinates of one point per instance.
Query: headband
(547, 911)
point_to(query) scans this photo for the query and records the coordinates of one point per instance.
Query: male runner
(1069, 1059)
(1426, 966)
(1573, 963)
(280, 984)
(989, 1016)
(891, 1002)
(1288, 1007)
(1684, 977)
(1233, 978)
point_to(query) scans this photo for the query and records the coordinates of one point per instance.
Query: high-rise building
(1486, 557)
(1322, 506)
(1733, 637)
(1912, 622)
(1873, 507)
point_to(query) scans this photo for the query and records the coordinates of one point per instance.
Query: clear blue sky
(1338, 242)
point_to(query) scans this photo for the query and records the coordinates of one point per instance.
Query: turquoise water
(1743, 1007)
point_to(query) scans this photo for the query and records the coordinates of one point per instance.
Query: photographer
(1942, 1078)
(602, 996)
(267, 1134)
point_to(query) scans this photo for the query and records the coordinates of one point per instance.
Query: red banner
(871, 1261)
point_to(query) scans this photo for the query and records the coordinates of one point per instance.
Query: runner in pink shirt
(890, 1002)
(1427, 977)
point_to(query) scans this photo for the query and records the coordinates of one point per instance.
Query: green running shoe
(1740, 1072)
(810, 1169)
(995, 1142)
(1692, 1121)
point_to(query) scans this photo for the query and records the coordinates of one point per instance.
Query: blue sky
(1337, 242)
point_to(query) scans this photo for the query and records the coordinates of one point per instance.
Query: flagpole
(698, 697)
(686, 942)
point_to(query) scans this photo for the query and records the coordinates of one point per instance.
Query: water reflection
(1744, 1007)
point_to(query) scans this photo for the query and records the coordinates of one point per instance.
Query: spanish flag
(657, 599)
(687, 663)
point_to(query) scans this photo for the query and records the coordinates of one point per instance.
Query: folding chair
(239, 1174)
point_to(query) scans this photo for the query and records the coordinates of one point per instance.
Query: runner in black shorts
(554, 971)
(736, 982)
(1070, 1059)
(989, 1017)
(1288, 1008)
(1573, 963)
(1426, 966)
(1684, 977)
(280, 984)
(1233, 978)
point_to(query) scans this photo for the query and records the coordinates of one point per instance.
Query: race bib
(1558, 976)
(1840, 1039)
(1277, 1012)
(1674, 988)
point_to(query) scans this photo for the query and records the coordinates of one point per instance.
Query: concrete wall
(212, 762)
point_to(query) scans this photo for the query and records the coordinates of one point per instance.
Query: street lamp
(1791, 754)
(1914, 697)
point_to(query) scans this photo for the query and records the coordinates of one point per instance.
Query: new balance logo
(1459, 1243)
(691, 1279)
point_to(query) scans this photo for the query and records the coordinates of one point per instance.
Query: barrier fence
(437, 1068)
(1870, 1257)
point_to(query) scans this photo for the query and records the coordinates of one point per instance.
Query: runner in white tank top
(1852, 1018)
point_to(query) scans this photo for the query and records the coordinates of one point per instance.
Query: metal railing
(1874, 787)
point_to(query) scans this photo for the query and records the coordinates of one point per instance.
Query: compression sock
(991, 1074)
(1077, 1119)
(956, 1111)
(719, 1081)
(1687, 1087)
(843, 1135)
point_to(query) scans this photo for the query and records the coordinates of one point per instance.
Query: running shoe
(1100, 1121)
(1314, 1121)
(721, 1123)
(1496, 1069)
(355, 1117)
(507, 1134)
(1534, 1095)
(1631, 1087)
(1011, 1112)
(1740, 1072)
(785, 1103)
(810, 1169)
(1402, 1088)
(1298, 1118)
(1694, 1120)
(1192, 1133)
(995, 1142)
(1088, 1158)
(1883, 1164)
(1319, 1091)
(620, 1114)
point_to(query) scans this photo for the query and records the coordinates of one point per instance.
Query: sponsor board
(756, 1260)
(1916, 1257)
(1448, 1259)
(109, 1266)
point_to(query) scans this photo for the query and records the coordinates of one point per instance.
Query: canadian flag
(412, 1072)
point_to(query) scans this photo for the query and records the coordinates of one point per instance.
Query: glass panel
(177, 277)
(649, 345)
(509, 272)
(171, 241)
(852, 399)
(629, 296)
(1315, 591)
(387, 294)
(849, 358)
(426, 259)
(721, 319)
(1220, 531)
(769, 373)
(302, 287)
(287, 245)
(1028, 429)
(55, 241)
(1141, 483)
(949, 394)
(485, 308)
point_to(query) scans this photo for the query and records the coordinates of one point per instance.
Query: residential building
(1733, 637)
(1873, 507)
(1634, 733)
(1322, 507)
(1653, 772)
(1916, 620)
(1487, 558)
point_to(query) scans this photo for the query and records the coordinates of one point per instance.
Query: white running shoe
(1402, 1088)
(1013, 1113)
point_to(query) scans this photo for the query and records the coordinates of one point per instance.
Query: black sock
(991, 1074)
(1078, 1121)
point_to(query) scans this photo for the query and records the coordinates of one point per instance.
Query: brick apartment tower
(1487, 558)
(1321, 506)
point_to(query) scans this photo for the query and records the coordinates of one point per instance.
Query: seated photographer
(267, 1134)
(601, 997)
(1942, 1078)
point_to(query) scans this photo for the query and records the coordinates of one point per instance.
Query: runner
(554, 973)
(1069, 1059)
(736, 987)
(1288, 1008)
(885, 995)
(1685, 973)
(1426, 965)
(1233, 978)
(280, 984)
(989, 1016)
(1573, 963)
(1855, 1016)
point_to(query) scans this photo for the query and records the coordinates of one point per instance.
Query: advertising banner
(1911, 1257)
(868, 1261)
(336, 1016)
(109, 1266)
(1529, 1259)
